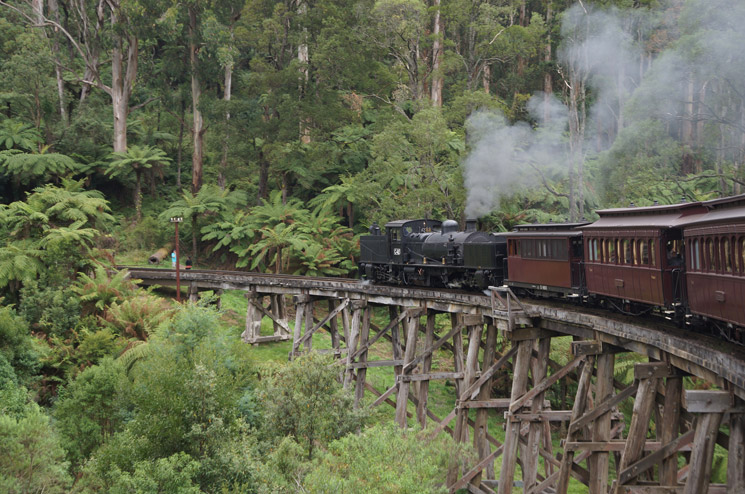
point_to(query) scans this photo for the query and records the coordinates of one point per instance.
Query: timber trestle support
(644, 433)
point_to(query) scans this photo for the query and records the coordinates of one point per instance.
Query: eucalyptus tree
(96, 33)
(136, 159)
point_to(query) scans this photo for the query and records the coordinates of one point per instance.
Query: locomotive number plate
(396, 251)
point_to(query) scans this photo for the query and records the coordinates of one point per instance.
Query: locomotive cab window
(395, 234)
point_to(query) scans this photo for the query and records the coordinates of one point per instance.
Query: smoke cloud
(505, 155)
(629, 80)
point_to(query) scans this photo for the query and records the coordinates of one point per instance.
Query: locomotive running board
(505, 305)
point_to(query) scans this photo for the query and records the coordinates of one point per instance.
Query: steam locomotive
(684, 260)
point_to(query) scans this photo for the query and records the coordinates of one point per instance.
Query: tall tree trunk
(263, 178)
(548, 83)
(437, 79)
(303, 57)
(122, 81)
(53, 8)
(180, 149)
(687, 128)
(225, 143)
(486, 78)
(194, 239)
(197, 160)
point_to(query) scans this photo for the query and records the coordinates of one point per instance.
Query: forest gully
(634, 289)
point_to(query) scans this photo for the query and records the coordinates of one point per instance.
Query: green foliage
(49, 308)
(86, 411)
(101, 290)
(174, 474)
(137, 316)
(181, 397)
(32, 459)
(362, 463)
(136, 159)
(285, 237)
(27, 168)
(304, 399)
(16, 134)
(17, 346)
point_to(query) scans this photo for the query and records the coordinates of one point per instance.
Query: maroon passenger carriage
(634, 256)
(715, 265)
(545, 259)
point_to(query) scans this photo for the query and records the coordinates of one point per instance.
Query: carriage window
(709, 263)
(726, 255)
(695, 254)
(733, 254)
(652, 253)
(635, 251)
(741, 249)
(627, 256)
(644, 251)
(612, 250)
(513, 247)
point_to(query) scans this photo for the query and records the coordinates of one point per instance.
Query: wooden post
(480, 442)
(253, 319)
(193, 292)
(300, 303)
(639, 427)
(736, 458)
(411, 326)
(457, 351)
(599, 462)
(359, 391)
(429, 339)
(278, 309)
(398, 353)
(219, 293)
(308, 324)
(512, 434)
(670, 427)
(539, 371)
(471, 368)
(333, 326)
(358, 307)
(580, 403)
(711, 405)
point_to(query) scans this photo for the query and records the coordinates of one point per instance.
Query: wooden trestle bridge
(667, 447)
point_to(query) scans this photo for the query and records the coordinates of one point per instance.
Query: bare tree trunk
(686, 132)
(548, 83)
(486, 78)
(121, 84)
(197, 159)
(225, 143)
(263, 178)
(437, 79)
(53, 9)
(180, 150)
(304, 58)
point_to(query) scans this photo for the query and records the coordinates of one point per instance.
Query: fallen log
(160, 254)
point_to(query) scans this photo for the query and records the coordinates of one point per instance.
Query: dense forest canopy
(280, 130)
(384, 108)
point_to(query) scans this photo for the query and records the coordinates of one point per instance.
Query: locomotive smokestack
(471, 224)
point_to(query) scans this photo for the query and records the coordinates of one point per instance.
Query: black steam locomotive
(433, 253)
